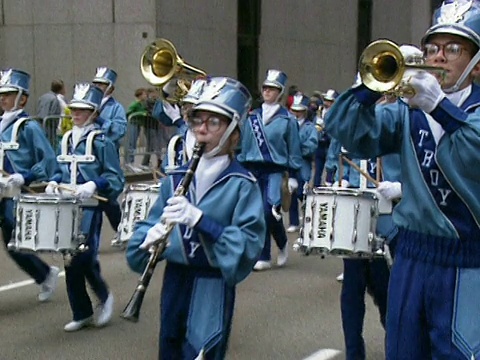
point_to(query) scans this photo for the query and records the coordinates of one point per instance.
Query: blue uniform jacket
(35, 159)
(229, 236)
(308, 146)
(276, 143)
(441, 187)
(113, 120)
(105, 171)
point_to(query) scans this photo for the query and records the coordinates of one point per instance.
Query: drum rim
(46, 198)
(368, 193)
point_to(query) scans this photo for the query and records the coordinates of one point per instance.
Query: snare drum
(49, 223)
(339, 222)
(139, 198)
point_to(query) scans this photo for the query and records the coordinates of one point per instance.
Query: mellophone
(340, 222)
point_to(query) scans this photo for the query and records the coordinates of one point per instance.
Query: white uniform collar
(208, 171)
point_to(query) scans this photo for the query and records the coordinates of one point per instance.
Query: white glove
(428, 92)
(180, 211)
(411, 53)
(155, 233)
(306, 188)
(16, 180)
(328, 184)
(172, 111)
(51, 188)
(86, 190)
(390, 190)
(292, 185)
(344, 184)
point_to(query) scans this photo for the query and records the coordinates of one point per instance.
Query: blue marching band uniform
(206, 257)
(308, 145)
(434, 285)
(103, 175)
(270, 146)
(34, 160)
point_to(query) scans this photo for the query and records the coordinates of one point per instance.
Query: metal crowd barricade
(146, 138)
(55, 126)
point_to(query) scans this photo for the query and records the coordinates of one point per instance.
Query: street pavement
(285, 313)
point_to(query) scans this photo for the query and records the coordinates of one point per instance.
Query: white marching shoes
(282, 256)
(262, 265)
(104, 312)
(340, 278)
(79, 324)
(47, 288)
(293, 228)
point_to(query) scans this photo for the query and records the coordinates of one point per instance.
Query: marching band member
(180, 146)
(103, 175)
(361, 275)
(271, 146)
(113, 121)
(434, 284)
(218, 234)
(34, 160)
(308, 145)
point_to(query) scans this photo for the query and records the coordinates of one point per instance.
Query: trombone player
(434, 286)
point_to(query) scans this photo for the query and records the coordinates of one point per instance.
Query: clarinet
(132, 310)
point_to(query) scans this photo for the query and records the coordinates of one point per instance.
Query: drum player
(218, 231)
(34, 160)
(270, 146)
(433, 310)
(103, 175)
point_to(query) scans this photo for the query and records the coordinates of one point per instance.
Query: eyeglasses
(213, 123)
(451, 51)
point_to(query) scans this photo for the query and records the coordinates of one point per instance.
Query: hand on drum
(390, 190)
(180, 211)
(343, 184)
(16, 180)
(52, 188)
(86, 190)
(428, 92)
(292, 185)
(155, 233)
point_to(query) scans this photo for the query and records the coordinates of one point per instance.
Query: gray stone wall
(313, 41)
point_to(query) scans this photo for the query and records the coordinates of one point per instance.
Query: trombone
(160, 63)
(382, 68)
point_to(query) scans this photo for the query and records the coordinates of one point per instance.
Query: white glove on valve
(172, 111)
(390, 190)
(292, 185)
(86, 190)
(428, 92)
(180, 211)
(16, 180)
(155, 233)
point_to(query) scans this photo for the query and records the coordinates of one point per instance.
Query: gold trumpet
(160, 63)
(382, 67)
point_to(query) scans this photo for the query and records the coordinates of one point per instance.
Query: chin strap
(464, 75)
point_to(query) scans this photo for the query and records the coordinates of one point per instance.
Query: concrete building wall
(313, 41)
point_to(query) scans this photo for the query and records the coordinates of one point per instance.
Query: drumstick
(98, 197)
(356, 167)
(26, 188)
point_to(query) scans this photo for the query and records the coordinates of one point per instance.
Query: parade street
(291, 313)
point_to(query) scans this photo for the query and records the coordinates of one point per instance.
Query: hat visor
(298, 108)
(272, 84)
(101, 81)
(80, 105)
(328, 98)
(212, 108)
(7, 89)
